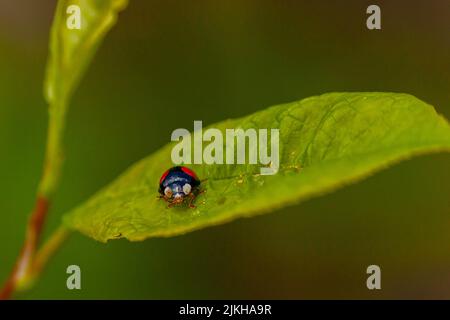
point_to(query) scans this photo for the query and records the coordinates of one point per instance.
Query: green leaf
(325, 142)
(71, 51)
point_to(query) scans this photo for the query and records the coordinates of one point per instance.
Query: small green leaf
(325, 142)
(71, 50)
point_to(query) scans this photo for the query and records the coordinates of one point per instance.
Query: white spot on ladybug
(187, 188)
(168, 192)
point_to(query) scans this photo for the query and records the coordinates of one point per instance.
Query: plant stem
(48, 250)
(43, 255)
(25, 262)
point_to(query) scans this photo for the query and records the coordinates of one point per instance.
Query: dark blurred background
(167, 63)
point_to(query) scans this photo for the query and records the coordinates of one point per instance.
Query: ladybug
(177, 184)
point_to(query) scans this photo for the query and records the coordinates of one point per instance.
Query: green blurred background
(167, 63)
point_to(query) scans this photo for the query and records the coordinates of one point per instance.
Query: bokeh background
(167, 63)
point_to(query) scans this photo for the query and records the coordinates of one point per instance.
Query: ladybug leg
(192, 198)
(164, 198)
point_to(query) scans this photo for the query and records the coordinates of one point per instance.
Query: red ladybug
(177, 184)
